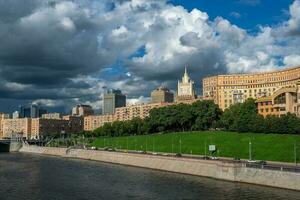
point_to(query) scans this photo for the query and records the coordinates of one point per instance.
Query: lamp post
(172, 145)
(295, 153)
(146, 143)
(180, 145)
(250, 150)
(205, 148)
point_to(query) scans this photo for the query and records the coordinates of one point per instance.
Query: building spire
(185, 71)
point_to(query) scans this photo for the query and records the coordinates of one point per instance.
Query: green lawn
(272, 147)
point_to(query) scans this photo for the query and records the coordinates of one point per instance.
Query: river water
(35, 177)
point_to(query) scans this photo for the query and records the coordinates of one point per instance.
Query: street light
(250, 150)
(172, 145)
(180, 145)
(295, 153)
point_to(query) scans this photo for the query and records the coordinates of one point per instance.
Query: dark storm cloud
(47, 44)
(53, 51)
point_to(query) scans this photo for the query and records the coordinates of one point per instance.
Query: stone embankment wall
(213, 169)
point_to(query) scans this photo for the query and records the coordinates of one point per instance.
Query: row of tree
(203, 115)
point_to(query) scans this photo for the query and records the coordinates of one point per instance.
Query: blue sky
(64, 53)
(247, 14)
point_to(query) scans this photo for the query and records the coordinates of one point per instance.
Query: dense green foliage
(230, 144)
(244, 118)
(200, 116)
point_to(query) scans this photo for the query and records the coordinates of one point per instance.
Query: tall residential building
(82, 110)
(113, 99)
(31, 111)
(162, 94)
(186, 88)
(227, 90)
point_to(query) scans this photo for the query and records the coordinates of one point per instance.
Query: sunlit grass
(272, 147)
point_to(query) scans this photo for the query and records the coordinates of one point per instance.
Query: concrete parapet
(214, 169)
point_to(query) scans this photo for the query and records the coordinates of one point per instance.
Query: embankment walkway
(237, 172)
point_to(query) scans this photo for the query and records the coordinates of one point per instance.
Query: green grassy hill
(272, 147)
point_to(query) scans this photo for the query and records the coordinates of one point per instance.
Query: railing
(274, 167)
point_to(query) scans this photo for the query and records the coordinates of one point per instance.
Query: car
(205, 157)
(154, 153)
(251, 161)
(236, 159)
(111, 149)
(93, 148)
(261, 162)
(178, 155)
(214, 158)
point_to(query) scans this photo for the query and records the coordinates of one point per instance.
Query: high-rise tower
(186, 88)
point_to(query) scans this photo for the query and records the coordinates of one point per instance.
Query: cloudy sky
(62, 52)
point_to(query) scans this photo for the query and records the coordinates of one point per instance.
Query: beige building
(82, 110)
(51, 116)
(33, 128)
(185, 88)
(282, 101)
(227, 90)
(121, 114)
(134, 111)
(95, 121)
(3, 116)
(17, 126)
(44, 127)
(162, 95)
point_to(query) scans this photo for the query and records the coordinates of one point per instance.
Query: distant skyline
(60, 53)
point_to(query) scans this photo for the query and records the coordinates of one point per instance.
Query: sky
(59, 53)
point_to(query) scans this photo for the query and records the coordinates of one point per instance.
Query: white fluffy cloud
(153, 40)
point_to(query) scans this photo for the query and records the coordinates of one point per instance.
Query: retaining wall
(213, 169)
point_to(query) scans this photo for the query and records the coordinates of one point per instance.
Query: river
(36, 177)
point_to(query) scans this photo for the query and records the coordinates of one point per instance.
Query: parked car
(178, 155)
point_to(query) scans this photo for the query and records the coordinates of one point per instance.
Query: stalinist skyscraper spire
(186, 88)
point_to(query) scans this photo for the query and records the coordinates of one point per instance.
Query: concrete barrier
(214, 169)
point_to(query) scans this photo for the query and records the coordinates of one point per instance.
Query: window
(280, 99)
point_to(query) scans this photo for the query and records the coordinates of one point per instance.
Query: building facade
(34, 128)
(82, 110)
(3, 116)
(227, 90)
(186, 88)
(76, 123)
(51, 116)
(95, 121)
(113, 99)
(162, 95)
(121, 114)
(17, 126)
(283, 101)
(133, 111)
